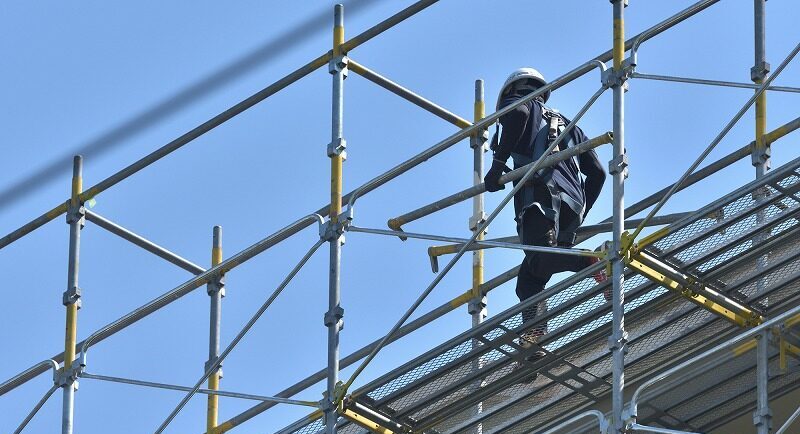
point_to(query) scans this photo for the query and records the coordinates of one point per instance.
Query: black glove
(492, 179)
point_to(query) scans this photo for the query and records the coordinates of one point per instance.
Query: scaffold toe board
(746, 242)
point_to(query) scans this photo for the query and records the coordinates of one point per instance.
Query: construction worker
(550, 208)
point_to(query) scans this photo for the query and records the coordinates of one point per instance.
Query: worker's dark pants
(534, 228)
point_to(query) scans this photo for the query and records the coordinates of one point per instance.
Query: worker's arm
(513, 124)
(595, 176)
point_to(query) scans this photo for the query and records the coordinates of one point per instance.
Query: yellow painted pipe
(336, 160)
(365, 423)
(781, 131)
(212, 404)
(745, 347)
(619, 43)
(479, 113)
(70, 335)
(71, 326)
(791, 322)
(655, 236)
(761, 121)
(461, 299)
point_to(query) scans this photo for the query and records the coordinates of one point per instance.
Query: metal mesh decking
(745, 243)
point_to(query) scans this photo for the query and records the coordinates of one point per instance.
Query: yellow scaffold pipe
(215, 292)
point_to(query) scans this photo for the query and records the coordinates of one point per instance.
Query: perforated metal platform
(749, 248)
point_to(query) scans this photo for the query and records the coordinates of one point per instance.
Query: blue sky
(74, 72)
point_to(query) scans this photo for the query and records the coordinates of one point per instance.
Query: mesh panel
(712, 388)
(546, 416)
(663, 329)
(744, 403)
(421, 370)
(311, 428)
(532, 404)
(703, 225)
(456, 395)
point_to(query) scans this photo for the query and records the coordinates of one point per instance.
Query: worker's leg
(552, 263)
(547, 224)
(537, 230)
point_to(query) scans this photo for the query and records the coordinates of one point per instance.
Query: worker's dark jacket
(524, 135)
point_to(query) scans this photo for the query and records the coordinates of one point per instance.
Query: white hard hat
(523, 74)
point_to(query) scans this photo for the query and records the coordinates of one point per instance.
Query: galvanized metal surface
(333, 317)
(747, 249)
(365, 36)
(618, 167)
(437, 390)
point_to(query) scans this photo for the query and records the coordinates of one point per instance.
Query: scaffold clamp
(76, 214)
(618, 341)
(761, 154)
(763, 416)
(71, 296)
(476, 305)
(334, 317)
(619, 164)
(68, 375)
(210, 362)
(338, 147)
(612, 77)
(476, 221)
(759, 71)
(480, 140)
(329, 230)
(339, 392)
(326, 404)
(339, 64)
(216, 285)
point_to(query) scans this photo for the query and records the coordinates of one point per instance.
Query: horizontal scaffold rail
(440, 389)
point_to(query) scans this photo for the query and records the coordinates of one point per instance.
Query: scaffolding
(694, 307)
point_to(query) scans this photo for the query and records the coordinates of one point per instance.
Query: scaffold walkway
(697, 324)
(746, 244)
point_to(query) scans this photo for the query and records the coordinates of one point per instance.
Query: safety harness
(552, 124)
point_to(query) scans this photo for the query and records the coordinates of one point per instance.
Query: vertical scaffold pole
(761, 152)
(216, 290)
(477, 305)
(618, 168)
(762, 417)
(72, 296)
(336, 152)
